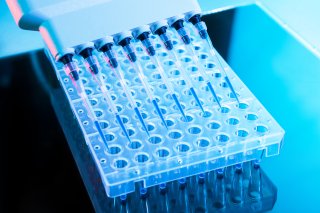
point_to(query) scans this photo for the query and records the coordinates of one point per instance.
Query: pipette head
(107, 50)
(144, 38)
(162, 33)
(160, 28)
(70, 67)
(199, 25)
(179, 27)
(87, 55)
(142, 34)
(126, 44)
(84, 51)
(67, 58)
(105, 45)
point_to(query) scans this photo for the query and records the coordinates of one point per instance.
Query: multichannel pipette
(161, 32)
(93, 67)
(203, 33)
(110, 57)
(125, 43)
(145, 40)
(71, 70)
(178, 26)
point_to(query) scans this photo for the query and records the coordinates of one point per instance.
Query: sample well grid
(201, 142)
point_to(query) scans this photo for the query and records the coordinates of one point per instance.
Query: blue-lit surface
(301, 18)
(203, 142)
(285, 76)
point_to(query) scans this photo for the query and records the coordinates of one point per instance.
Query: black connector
(178, 25)
(86, 53)
(196, 19)
(144, 38)
(125, 43)
(161, 32)
(66, 59)
(107, 48)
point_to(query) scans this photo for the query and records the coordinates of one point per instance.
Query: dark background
(40, 174)
(37, 171)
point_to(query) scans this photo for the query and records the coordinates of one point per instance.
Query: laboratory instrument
(206, 135)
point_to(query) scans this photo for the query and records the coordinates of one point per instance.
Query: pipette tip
(214, 94)
(196, 98)
(154, 102)
(96, 123)
(122, 127)
(209, 43)
(231, 88)
(175, 98)
(141, 120)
